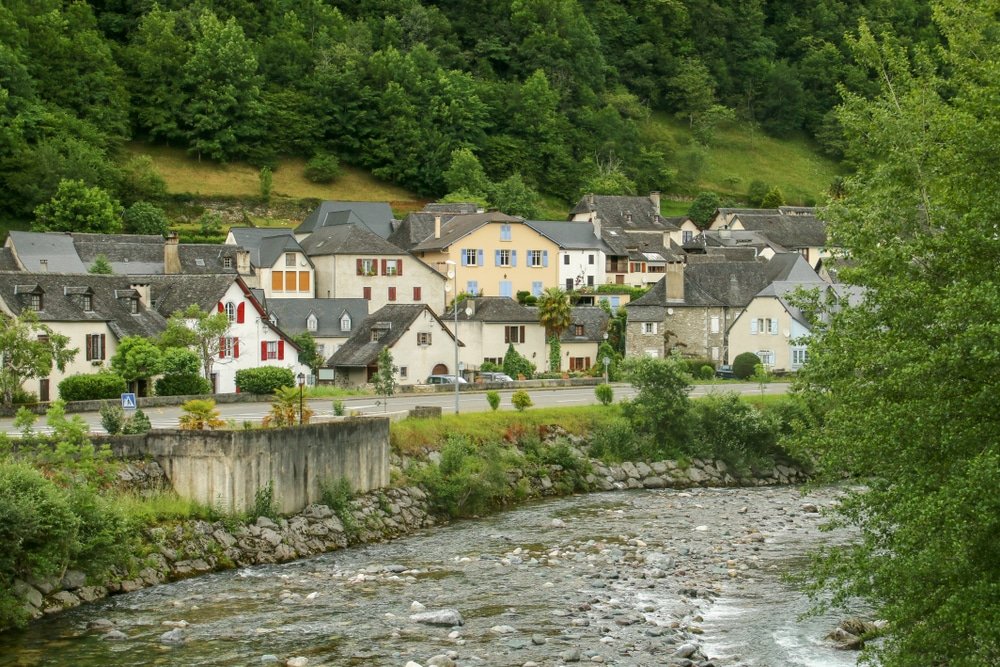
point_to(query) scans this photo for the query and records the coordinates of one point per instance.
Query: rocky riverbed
(644, 577)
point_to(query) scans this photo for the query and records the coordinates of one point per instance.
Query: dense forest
(544, 94)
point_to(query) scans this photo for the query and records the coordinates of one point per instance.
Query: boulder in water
(449, 617)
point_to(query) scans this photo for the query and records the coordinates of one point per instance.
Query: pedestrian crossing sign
(128, 401)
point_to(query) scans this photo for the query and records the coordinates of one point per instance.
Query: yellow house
(493, 254)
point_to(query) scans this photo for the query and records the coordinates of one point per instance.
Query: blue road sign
(128, 401)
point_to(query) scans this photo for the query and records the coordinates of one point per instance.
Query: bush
(264, 380)
(469, 480)
(137, 423)
(521, 400)
(92, 386)
(338, 408)
(707, 372)
(515, 364)
(734, 431)
(145, 218)
(493, 398)
(695, 364)
(322, 168)
(617, 442)
(112, 418)
(745, 364)
(605, 394)
(184, 384)
(200, 414)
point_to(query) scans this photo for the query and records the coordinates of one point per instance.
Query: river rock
(571, 655)
(73, 579)
(448, 617)
(502, 630)
(685, 650)
(114, 636)
(175, 636)
(28, 593)
(297, 661)
(441, 660)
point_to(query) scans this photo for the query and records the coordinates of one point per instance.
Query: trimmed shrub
(521, 400)
(184, 384)
(92, 387)
(322, 168)
(605, 394)
(707, 372)
(112, 418)
(493, 398)
(745, 364)
(264, 380)
(137, 423)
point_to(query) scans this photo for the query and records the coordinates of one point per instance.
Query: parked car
(445, 379)
(725, 372)
(490, 376)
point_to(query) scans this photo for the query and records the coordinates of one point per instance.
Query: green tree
(101, 266)
(266, 178)
(554, 311)
(661, 408)
(385, 377)
(307, 351)
(910, 371)
(76, 207)
(692, 89)
(30, 350)
(521, 400)
(756, 192)
(136, 359)
(703, 207)
(555, 354)
(773, 199)
(145, 218)
(514, 197)
(465, 174)
(196, 329)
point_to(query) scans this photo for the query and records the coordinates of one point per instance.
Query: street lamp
(302, 381)
(607, 360)
(453, 274)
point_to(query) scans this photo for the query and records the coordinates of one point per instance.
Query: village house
(581, 258)
(489, 325)
(273, 261)
(376, 217)
(580, 342)
(329, 321)
(796, 229)
(420, 344)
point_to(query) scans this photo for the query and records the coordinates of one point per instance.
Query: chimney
(143, 292)
(590, 201)
(655, 198)
(243, 262)
(674, 275)
(628, 217)
(437, 226)
(597, 226)
(171, 255)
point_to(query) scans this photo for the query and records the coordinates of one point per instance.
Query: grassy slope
(738, 156)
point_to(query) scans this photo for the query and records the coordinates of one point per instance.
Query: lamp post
(453, 273)
(607, 360)
(302, 381)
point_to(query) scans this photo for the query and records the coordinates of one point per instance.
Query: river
(623, 578)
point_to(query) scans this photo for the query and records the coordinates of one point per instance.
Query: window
(134, 305)
(303, 281)
(345, 322)
(227, 262)
(755, 326)
(577, 329)
(366, 292)
(506, 288)
(290, 281)
(311, 322)
(469, 257)
(493, 360)
(637, 267)
(513, 334)
(36, 302)
(505, 232)
(403, 372)
(772, 326)
(423, 338)
(230, 311)
(715, 324)
(472, 287)
(290, 259)
(503, 257)
(766, 357)
(649, 327)
(613, 301)
(715, 354)
(687, 236)
(416, 292)
(367, 267)
(378, 333)
(579, 363)
(391, 267)
(566, 259)
(95, 347)
(229, 348)
(88, 303)
(800, 355)
(537, 258)
(392, 294)
(321, 350)
(590, 281)
(569, 284)
(590, 260)
(536, 288)
(271, 350)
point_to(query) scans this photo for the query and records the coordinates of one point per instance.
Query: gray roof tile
(347, 240)
(376, 217)
(361, 351)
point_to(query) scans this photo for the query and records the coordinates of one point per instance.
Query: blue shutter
(472, 287)
(479, 257)
(463, 256)
(496, 258)
(513, 258)
(753, 326)
(506, 288)
(536, 288)
(545, 258)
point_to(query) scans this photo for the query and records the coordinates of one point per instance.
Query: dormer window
(577, 329)
(88, 303)
(227, 262)
(311, 322)
(36, 302)
(134, 305)
(345, 322)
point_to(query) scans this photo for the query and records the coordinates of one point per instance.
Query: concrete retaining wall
(226, 469)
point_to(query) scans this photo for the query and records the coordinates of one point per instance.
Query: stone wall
(226, 469)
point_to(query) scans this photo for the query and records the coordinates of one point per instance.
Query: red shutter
(239, 313)
(399, 267)
(102, 347)
(236, 348)
(90, 354)
(367, 291)
(392, 294)
(222, 348)
(281, 350)
(221, 307)
(416, 293)
(506, 334)
(263, 350)
(359, 267)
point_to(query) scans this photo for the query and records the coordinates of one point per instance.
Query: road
(469, 401)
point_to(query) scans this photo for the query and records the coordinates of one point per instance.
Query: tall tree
(554, 312)
(29, 349)
(78, 208)
(385, 377)
(137, 359)
(194, 328)
(910, 371)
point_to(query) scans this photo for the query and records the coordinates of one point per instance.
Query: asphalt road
(469, 401)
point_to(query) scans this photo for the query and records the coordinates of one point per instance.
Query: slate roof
(496, 309)
(376, 217)
(62, 300)
(253, 238)
(719, 284)
(619, 210)
(790, 231)
(55, 248)
(292, 314)
(7, 261)
(177, 292)
(595, 323)
(730, 238)
(273, 247)
(419, 225)
(347, 240)
(460, 226)
(361, 351)
(636, 245)
(569, 235)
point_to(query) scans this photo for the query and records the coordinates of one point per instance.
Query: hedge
(92, 387)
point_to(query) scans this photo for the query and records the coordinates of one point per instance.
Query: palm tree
(554, 311)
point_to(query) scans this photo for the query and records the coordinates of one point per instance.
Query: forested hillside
(546, 95)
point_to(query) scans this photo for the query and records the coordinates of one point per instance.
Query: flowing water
(622, 578)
